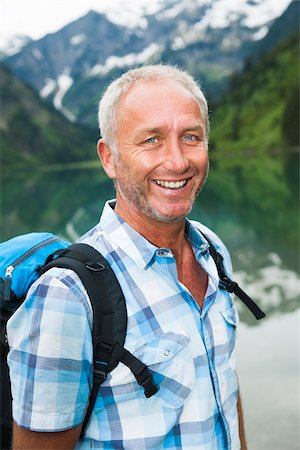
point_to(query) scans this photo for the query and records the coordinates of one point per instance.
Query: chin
(168, 217)
(172, 219)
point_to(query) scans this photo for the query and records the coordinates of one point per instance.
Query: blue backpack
(24, 258)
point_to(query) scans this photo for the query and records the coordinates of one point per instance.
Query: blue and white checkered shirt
(190, 351)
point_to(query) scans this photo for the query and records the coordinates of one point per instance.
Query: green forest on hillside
(254, 142)
(34, 134)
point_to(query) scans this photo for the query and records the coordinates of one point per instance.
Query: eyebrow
(151, 130)
(195, 127)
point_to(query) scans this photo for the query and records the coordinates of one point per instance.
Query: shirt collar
(198, 242)
(136, 246)
(125, 237)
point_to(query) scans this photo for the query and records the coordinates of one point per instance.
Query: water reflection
(268, 371)
(69, 202)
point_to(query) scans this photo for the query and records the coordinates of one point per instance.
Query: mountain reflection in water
(266, 268)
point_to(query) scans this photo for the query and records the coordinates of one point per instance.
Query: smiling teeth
(171, 184)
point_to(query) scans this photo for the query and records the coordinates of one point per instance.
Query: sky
(36, 18)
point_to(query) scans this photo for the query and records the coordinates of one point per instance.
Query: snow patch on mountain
(127, 60)
(37, 54)
(188, 34)
(78, 39)
(171, 13)
(130, 14)
(223, 12)
(10, 45)
(264, 12)
(220, 14)
(260, 34)
(64, 82)
(48, 88)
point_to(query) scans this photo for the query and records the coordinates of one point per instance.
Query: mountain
(34, 134)
(281, 28)
(254, 152)
(211, 39)
(12, 45)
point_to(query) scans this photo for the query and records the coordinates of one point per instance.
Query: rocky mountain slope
(211, 39)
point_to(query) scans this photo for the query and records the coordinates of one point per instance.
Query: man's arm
(57, 323)
(33, 440)
(241, 425)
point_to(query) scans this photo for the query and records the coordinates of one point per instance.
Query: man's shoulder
(95, 237)
(58, 276)
(216, 241)
(65, 283)
(211, 235)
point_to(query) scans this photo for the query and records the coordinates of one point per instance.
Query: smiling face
(162, 160)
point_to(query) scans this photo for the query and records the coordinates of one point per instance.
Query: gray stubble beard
(136, 196)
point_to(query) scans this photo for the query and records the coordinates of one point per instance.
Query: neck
(160, 234)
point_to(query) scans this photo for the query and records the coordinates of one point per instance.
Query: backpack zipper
(9, 270)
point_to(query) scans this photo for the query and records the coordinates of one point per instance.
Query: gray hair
(109, 102)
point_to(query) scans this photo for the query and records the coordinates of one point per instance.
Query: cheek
(130, 170)
(200, 160)
(206, 161)
(143, 165)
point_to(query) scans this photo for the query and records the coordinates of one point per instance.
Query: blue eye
(189, 137)
(151, 140)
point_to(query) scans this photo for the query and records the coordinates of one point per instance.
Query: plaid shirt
(190, 351)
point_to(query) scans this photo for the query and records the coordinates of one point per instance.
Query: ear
(106, 158)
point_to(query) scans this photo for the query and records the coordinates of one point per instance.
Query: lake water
(268, 369)
(69, 203)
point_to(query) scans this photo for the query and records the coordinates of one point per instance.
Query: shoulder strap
(102, 286)
(230, 285)
(109, 317)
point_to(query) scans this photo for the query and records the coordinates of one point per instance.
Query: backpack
(24, 258)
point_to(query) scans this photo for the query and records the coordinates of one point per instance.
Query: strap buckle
(144, 379)
(99, 374)
(102, 355)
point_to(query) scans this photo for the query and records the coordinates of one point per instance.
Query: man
(154, 145)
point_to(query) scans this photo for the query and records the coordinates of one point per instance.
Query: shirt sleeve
(50, 358)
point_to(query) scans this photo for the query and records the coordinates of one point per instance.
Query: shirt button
(167, 352)
(203, 246)
(161, 252)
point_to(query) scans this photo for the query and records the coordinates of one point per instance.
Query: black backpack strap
(230, 285)
(109, 317)
(108, 303)
(104, 291)
(99, 376)
(139, 370)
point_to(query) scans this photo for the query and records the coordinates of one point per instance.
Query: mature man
(154, 145)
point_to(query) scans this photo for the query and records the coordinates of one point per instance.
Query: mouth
(171, 184)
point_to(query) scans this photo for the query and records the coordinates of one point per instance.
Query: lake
(69, 202)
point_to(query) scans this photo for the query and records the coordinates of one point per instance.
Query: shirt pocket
(169, 359)
(231, 320)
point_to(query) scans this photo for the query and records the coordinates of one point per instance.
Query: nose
(176, 160)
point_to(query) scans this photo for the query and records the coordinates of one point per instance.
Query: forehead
(155, 99)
